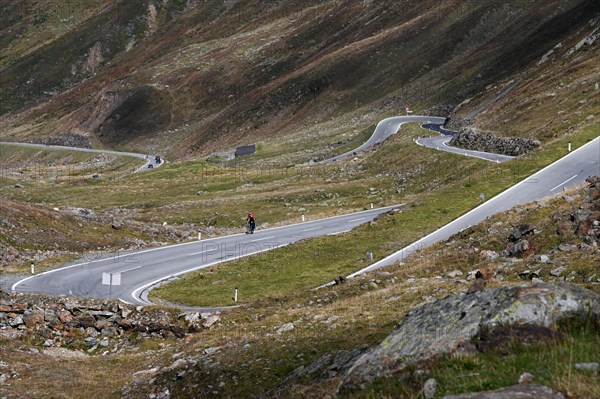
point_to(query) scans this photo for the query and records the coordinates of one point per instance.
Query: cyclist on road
(250, 223)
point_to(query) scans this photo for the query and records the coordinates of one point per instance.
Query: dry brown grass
(68, 375)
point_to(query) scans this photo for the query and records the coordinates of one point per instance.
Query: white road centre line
(339, 232)
(313, 228)
(203, 252)
(354, 220)
(565, 182)
(128, 270)
(262, 239)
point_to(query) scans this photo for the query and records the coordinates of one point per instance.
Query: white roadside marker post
(235, 295)
(32, 268)
(303, 218)
(569, 146)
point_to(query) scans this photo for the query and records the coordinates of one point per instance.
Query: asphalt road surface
(441, 143)
(141, 271)
(149, 159)
(567, 172)
(390, 126)
(385, 129)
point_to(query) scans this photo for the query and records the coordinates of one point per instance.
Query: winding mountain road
(441, 143)
(140, 271)
(385, 129)
(569, 171)
(149, 159)
(390, 126)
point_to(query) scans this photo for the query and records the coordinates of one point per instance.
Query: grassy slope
(366, 313)
(446, 187)
(253, 359)
(73, 374)
(37, 232)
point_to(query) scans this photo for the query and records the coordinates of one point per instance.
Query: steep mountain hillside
(557, 94)
(303, 80)
(190, 77)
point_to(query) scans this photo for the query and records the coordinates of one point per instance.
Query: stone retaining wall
(512, 146)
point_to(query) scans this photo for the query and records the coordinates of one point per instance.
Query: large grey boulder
(451, 323)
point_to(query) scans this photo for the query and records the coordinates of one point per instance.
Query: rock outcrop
(584, 221)
(513, 146)
(92, 324)
(457, 321)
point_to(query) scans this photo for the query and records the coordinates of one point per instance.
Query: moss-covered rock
(445, 325)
